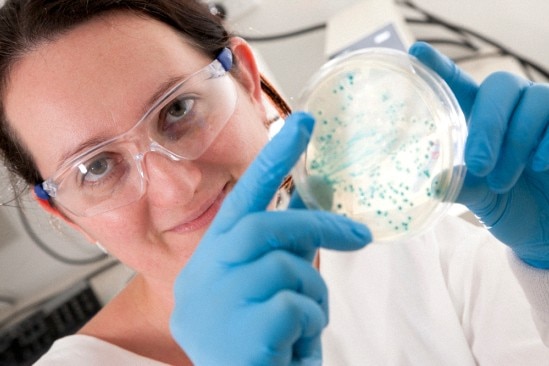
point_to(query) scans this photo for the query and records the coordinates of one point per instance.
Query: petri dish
(387, 146)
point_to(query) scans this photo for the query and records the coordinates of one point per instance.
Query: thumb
(477, 196)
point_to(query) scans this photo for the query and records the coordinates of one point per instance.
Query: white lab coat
(447, 298)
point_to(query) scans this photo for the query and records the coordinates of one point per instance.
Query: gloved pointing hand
(249, 294)
(506, 154)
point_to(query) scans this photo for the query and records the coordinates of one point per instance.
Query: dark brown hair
(25, 24)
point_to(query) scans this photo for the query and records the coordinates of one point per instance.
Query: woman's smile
(202, 216)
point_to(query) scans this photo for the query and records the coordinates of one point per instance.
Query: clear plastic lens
(213, 103)
(387, 145)
(93, 183)
(181, 125)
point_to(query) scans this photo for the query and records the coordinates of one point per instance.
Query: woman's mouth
(204, 216)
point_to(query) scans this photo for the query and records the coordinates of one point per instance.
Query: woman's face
(93, 83)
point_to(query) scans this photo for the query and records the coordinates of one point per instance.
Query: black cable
(450, 42)
(526, 68)
(280, 36)
(430, 19)
(478, 56)
(42, 245)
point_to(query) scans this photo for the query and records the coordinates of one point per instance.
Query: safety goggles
(181, 125)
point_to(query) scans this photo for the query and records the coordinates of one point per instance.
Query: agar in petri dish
(387, 146)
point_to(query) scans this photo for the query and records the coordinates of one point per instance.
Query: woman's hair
(25, 24)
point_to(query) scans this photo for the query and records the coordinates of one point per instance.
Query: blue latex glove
(249, 294)
(506, 154)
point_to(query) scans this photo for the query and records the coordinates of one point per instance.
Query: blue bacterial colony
(375, 152)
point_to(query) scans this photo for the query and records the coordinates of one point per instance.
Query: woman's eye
(178, 110)
(179, 117)
(99, 169)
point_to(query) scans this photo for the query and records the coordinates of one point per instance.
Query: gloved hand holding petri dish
(387, 147)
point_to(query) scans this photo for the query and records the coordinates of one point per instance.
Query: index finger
(257, 186)
(462, 85)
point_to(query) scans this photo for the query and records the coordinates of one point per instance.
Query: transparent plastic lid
(387, 147)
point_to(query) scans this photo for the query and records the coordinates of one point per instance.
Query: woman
(157, 113)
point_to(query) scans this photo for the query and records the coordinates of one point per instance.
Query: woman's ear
(247, 71)
(46, 206)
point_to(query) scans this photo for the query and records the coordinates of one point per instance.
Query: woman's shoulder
(131, 323)
(85, 350)
(92, 345)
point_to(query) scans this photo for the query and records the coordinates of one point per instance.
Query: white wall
(520, 25)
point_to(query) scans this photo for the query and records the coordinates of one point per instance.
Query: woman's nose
(170, 182)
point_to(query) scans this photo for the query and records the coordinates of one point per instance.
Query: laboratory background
(52, 280)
